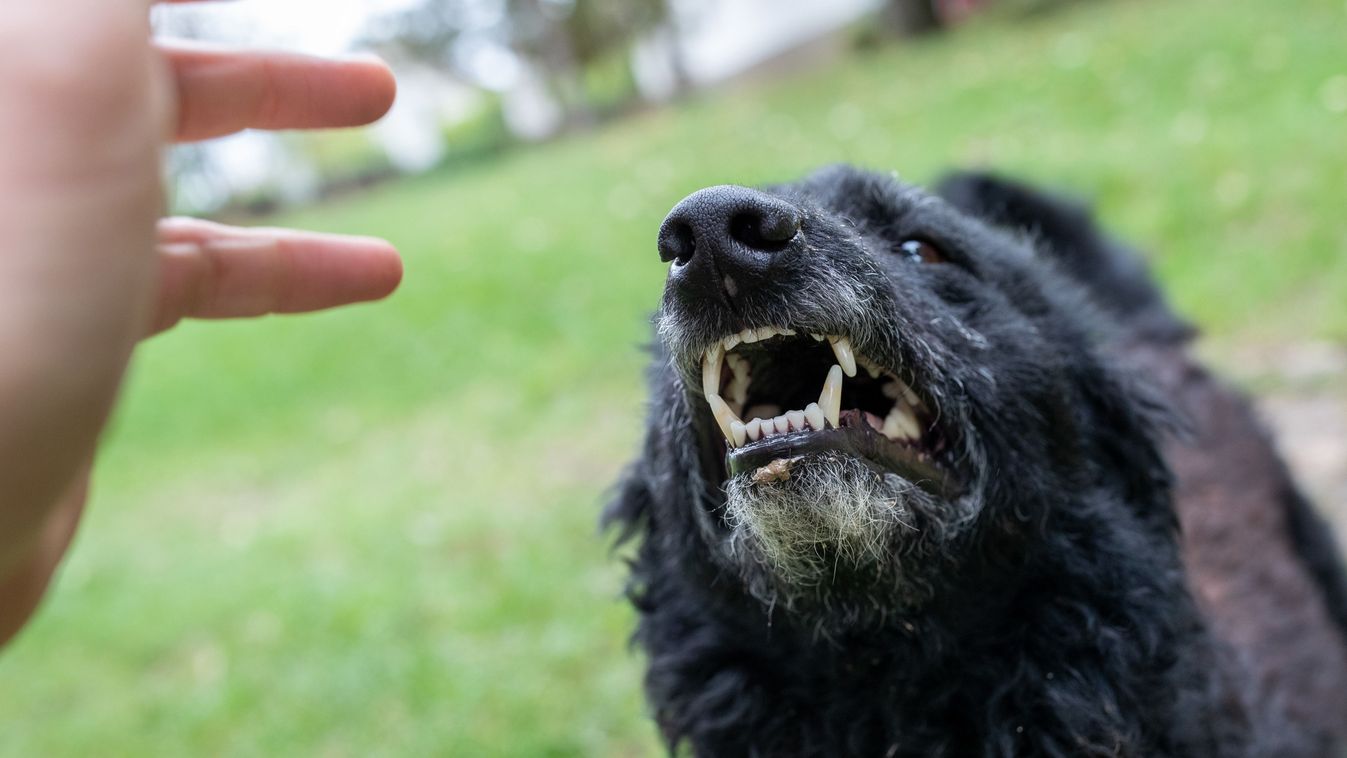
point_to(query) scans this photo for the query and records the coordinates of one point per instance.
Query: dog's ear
(629, 510)
(1065, 231)
(1133, 420)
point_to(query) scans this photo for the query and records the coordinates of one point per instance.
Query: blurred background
(372, 532)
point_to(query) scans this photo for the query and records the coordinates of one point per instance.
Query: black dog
(909, 488)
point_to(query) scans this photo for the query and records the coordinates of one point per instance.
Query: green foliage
(481, 136)
(371, 531)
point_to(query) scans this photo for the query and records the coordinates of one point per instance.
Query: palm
(87, 271)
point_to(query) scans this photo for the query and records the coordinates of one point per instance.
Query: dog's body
(1022, 576)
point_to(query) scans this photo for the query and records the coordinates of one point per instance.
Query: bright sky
(320, 27)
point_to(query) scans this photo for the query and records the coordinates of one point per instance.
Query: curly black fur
(1051, 617)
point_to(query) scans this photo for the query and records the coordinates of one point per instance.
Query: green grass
(372, 531)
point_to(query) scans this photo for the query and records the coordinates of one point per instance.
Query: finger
(213, 271)
(224, 91)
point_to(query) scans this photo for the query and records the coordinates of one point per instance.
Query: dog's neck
(1094, 615)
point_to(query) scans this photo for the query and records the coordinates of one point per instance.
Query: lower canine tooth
(846, 357)
(830, 400)
(724, 416)
(814, 415)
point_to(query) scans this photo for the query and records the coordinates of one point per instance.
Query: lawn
(372, 532)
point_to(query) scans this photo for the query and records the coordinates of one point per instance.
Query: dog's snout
(725, 237)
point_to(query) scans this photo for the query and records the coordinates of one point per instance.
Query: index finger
(222, 91)
(213, 271)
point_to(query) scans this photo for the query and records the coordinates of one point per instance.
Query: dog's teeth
(724, 416)
(749, 336)
(870, 366)
(901, 424)
(817, 337)
(753, 429)
(845, 356)
(711, 364)
(830, 400)
(786, 332)
(730, 342)
(890, 428)
(768, 428)
(908, 394)
(796, 419)
(767, 332)
(738, 389)
(896, 388)
(814, 415)
(739, 432)
(781, 424)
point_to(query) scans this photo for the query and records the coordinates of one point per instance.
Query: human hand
(86, 267)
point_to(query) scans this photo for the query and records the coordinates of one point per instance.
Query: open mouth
(813, 393)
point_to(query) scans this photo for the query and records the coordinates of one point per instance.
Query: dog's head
(881, 394)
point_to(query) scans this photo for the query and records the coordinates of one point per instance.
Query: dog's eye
(921, 251)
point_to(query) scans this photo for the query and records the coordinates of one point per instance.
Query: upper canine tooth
(724, 417)
(738, 389)
(711, 363)
(845, 355)
(830, 399)
(870, 366)
(909, 395)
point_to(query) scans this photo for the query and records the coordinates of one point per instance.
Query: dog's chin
(804, 518)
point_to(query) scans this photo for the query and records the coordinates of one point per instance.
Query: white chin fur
(832, 507)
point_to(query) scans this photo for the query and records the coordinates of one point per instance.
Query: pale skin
(87, 266)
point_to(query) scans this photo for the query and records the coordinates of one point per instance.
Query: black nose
(725, 237)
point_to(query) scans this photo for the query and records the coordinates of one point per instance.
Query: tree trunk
(913, 18)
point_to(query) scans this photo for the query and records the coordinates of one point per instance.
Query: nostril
(677, 243)
(769, 230)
